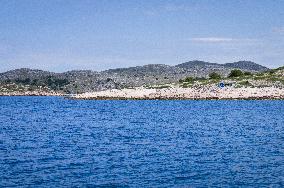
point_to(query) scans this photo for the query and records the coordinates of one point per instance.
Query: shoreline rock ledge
(184, 94)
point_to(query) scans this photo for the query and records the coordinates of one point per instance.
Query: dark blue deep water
(53, 142)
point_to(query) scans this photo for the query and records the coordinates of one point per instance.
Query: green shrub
(260, 74)
(189, 79)
(235, 73)
(272, 71)
(214, 76)
(186, 85)
(247, 73)
(280, 68)
(200, 79)
(55, 83)
(24, 81)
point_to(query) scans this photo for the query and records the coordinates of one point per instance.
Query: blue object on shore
(221, 84)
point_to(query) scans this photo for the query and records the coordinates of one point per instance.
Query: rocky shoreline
(30, 93)
(174, 93)
(209, 93)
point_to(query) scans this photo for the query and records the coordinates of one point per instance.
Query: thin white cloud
(220, 40)
(170, 8)
(279, 30)
(211, 39)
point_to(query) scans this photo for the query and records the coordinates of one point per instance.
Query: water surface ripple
(52, 142)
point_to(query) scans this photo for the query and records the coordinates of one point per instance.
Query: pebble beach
(185, 93)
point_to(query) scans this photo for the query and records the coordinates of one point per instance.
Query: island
(191, 80)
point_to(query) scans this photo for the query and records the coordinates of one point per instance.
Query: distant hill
(243, 65)
(248, 65)
(24, 73)
(86, 80)
(196, 64)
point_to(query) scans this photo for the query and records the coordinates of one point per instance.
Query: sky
(61, 35)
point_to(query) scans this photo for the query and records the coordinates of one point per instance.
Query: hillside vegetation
(189, 74)
(238, 78)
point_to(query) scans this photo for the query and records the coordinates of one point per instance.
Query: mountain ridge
(87, 80)
(194, 62)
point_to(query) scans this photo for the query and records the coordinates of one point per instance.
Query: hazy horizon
(61, 35)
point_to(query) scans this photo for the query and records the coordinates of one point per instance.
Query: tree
(214, 76)
(189, 79)
(247, 73)
(272, 71)
(235, 73)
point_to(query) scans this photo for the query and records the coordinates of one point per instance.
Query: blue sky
(60, 35)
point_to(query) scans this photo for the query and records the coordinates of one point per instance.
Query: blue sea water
(53, 142)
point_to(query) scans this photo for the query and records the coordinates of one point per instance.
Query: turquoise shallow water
(52, 142)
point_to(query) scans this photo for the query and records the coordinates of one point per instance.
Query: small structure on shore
(222, 84)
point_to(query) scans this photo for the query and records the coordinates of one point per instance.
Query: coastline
(164, 99)
(175, 93)
(209, 93)
(31, 94)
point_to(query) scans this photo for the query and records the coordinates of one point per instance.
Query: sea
(56, 142)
